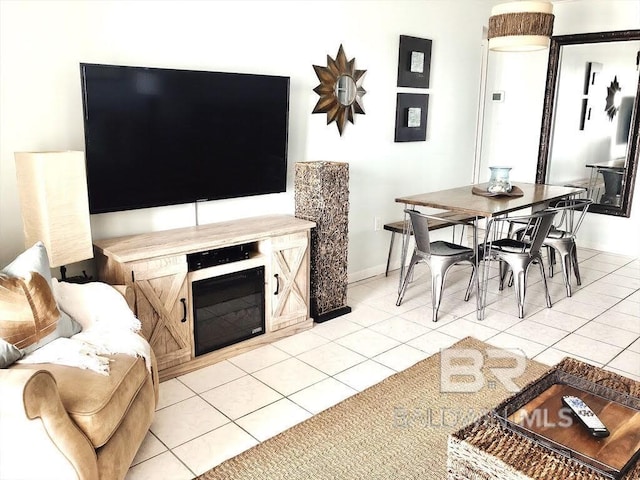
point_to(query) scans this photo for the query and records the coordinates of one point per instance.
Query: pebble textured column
(322, 196)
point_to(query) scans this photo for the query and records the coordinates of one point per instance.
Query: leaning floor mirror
(589, 135)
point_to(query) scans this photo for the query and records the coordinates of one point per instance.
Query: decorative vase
(499, 181)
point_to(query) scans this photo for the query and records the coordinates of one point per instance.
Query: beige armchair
(58, 421)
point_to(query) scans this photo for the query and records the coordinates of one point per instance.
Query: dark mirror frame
(556, 44)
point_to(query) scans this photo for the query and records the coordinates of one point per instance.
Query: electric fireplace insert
(228, 309)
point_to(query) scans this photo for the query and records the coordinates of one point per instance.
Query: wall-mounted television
(156, 137)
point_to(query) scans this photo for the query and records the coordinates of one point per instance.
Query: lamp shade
(55, 205)
(520, 26)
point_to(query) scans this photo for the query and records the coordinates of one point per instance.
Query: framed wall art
(411, 117)
(414, 62)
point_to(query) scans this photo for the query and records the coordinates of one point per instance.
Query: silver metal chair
(440, 256)
(562, 237)
(612, 186)
(519, 253)
(439, 220)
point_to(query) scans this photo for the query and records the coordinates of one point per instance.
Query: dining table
(475, 201)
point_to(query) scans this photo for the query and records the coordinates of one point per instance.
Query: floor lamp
(55, 206)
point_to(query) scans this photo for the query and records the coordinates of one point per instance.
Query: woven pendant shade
(520, 26)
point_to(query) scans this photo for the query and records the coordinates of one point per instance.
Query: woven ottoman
(488, 450)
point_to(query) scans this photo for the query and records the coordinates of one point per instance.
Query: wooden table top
(617, 164)
(461, 199)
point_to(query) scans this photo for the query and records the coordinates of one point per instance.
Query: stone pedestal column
(322, 196)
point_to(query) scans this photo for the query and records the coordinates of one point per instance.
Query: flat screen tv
(156, 137)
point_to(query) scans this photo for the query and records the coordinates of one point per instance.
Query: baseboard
(367, 273)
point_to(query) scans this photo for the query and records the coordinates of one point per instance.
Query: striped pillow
(28, 311)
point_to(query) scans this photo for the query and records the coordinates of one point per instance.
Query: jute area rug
(393, 430)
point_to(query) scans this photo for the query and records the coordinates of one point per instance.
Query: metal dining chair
(439, 255)
(518, 254)
(612, 186)
(562, 237)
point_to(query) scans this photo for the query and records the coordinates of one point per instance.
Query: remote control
(586, 416)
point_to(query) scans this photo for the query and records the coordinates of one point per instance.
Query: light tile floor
(215, 413)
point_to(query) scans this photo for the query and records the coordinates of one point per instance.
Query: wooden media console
(156, 265)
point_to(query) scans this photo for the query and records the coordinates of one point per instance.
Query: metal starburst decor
(612, 106)
(340, 90)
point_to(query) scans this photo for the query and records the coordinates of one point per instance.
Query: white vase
(499, 181)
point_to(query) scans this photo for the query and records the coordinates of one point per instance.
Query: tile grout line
(384, 292)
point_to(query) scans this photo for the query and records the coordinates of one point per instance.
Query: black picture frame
(411, 124)
(414, 62)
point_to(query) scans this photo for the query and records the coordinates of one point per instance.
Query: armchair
(59, 421)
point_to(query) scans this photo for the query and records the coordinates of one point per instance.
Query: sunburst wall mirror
(613, 98)
(340, 90)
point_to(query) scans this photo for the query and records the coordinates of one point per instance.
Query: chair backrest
(420, 227)
(544, 222)
(572, 212)
(535, 226)
(612, 181)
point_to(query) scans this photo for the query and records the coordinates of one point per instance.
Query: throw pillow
(29, 313)
(8, 354)
(35, 259)
(93, 303)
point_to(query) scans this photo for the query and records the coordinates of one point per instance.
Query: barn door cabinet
(155, 265)
(289, 279)
(161, 305)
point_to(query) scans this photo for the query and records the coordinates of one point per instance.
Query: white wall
(512, 129)
(42, 43)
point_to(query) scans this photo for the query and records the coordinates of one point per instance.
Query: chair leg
(504, 269)
(414, 260)
(551, 253)
(510, 283)
(574, 259)
(437, 282)
(566, 271)
(520, 286)
(467, 295)
(565, 249)
(544, 282)
(386, 272)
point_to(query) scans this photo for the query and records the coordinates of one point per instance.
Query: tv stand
(155, 265)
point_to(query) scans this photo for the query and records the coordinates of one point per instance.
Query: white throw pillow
(94, 303)
(35, 259)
